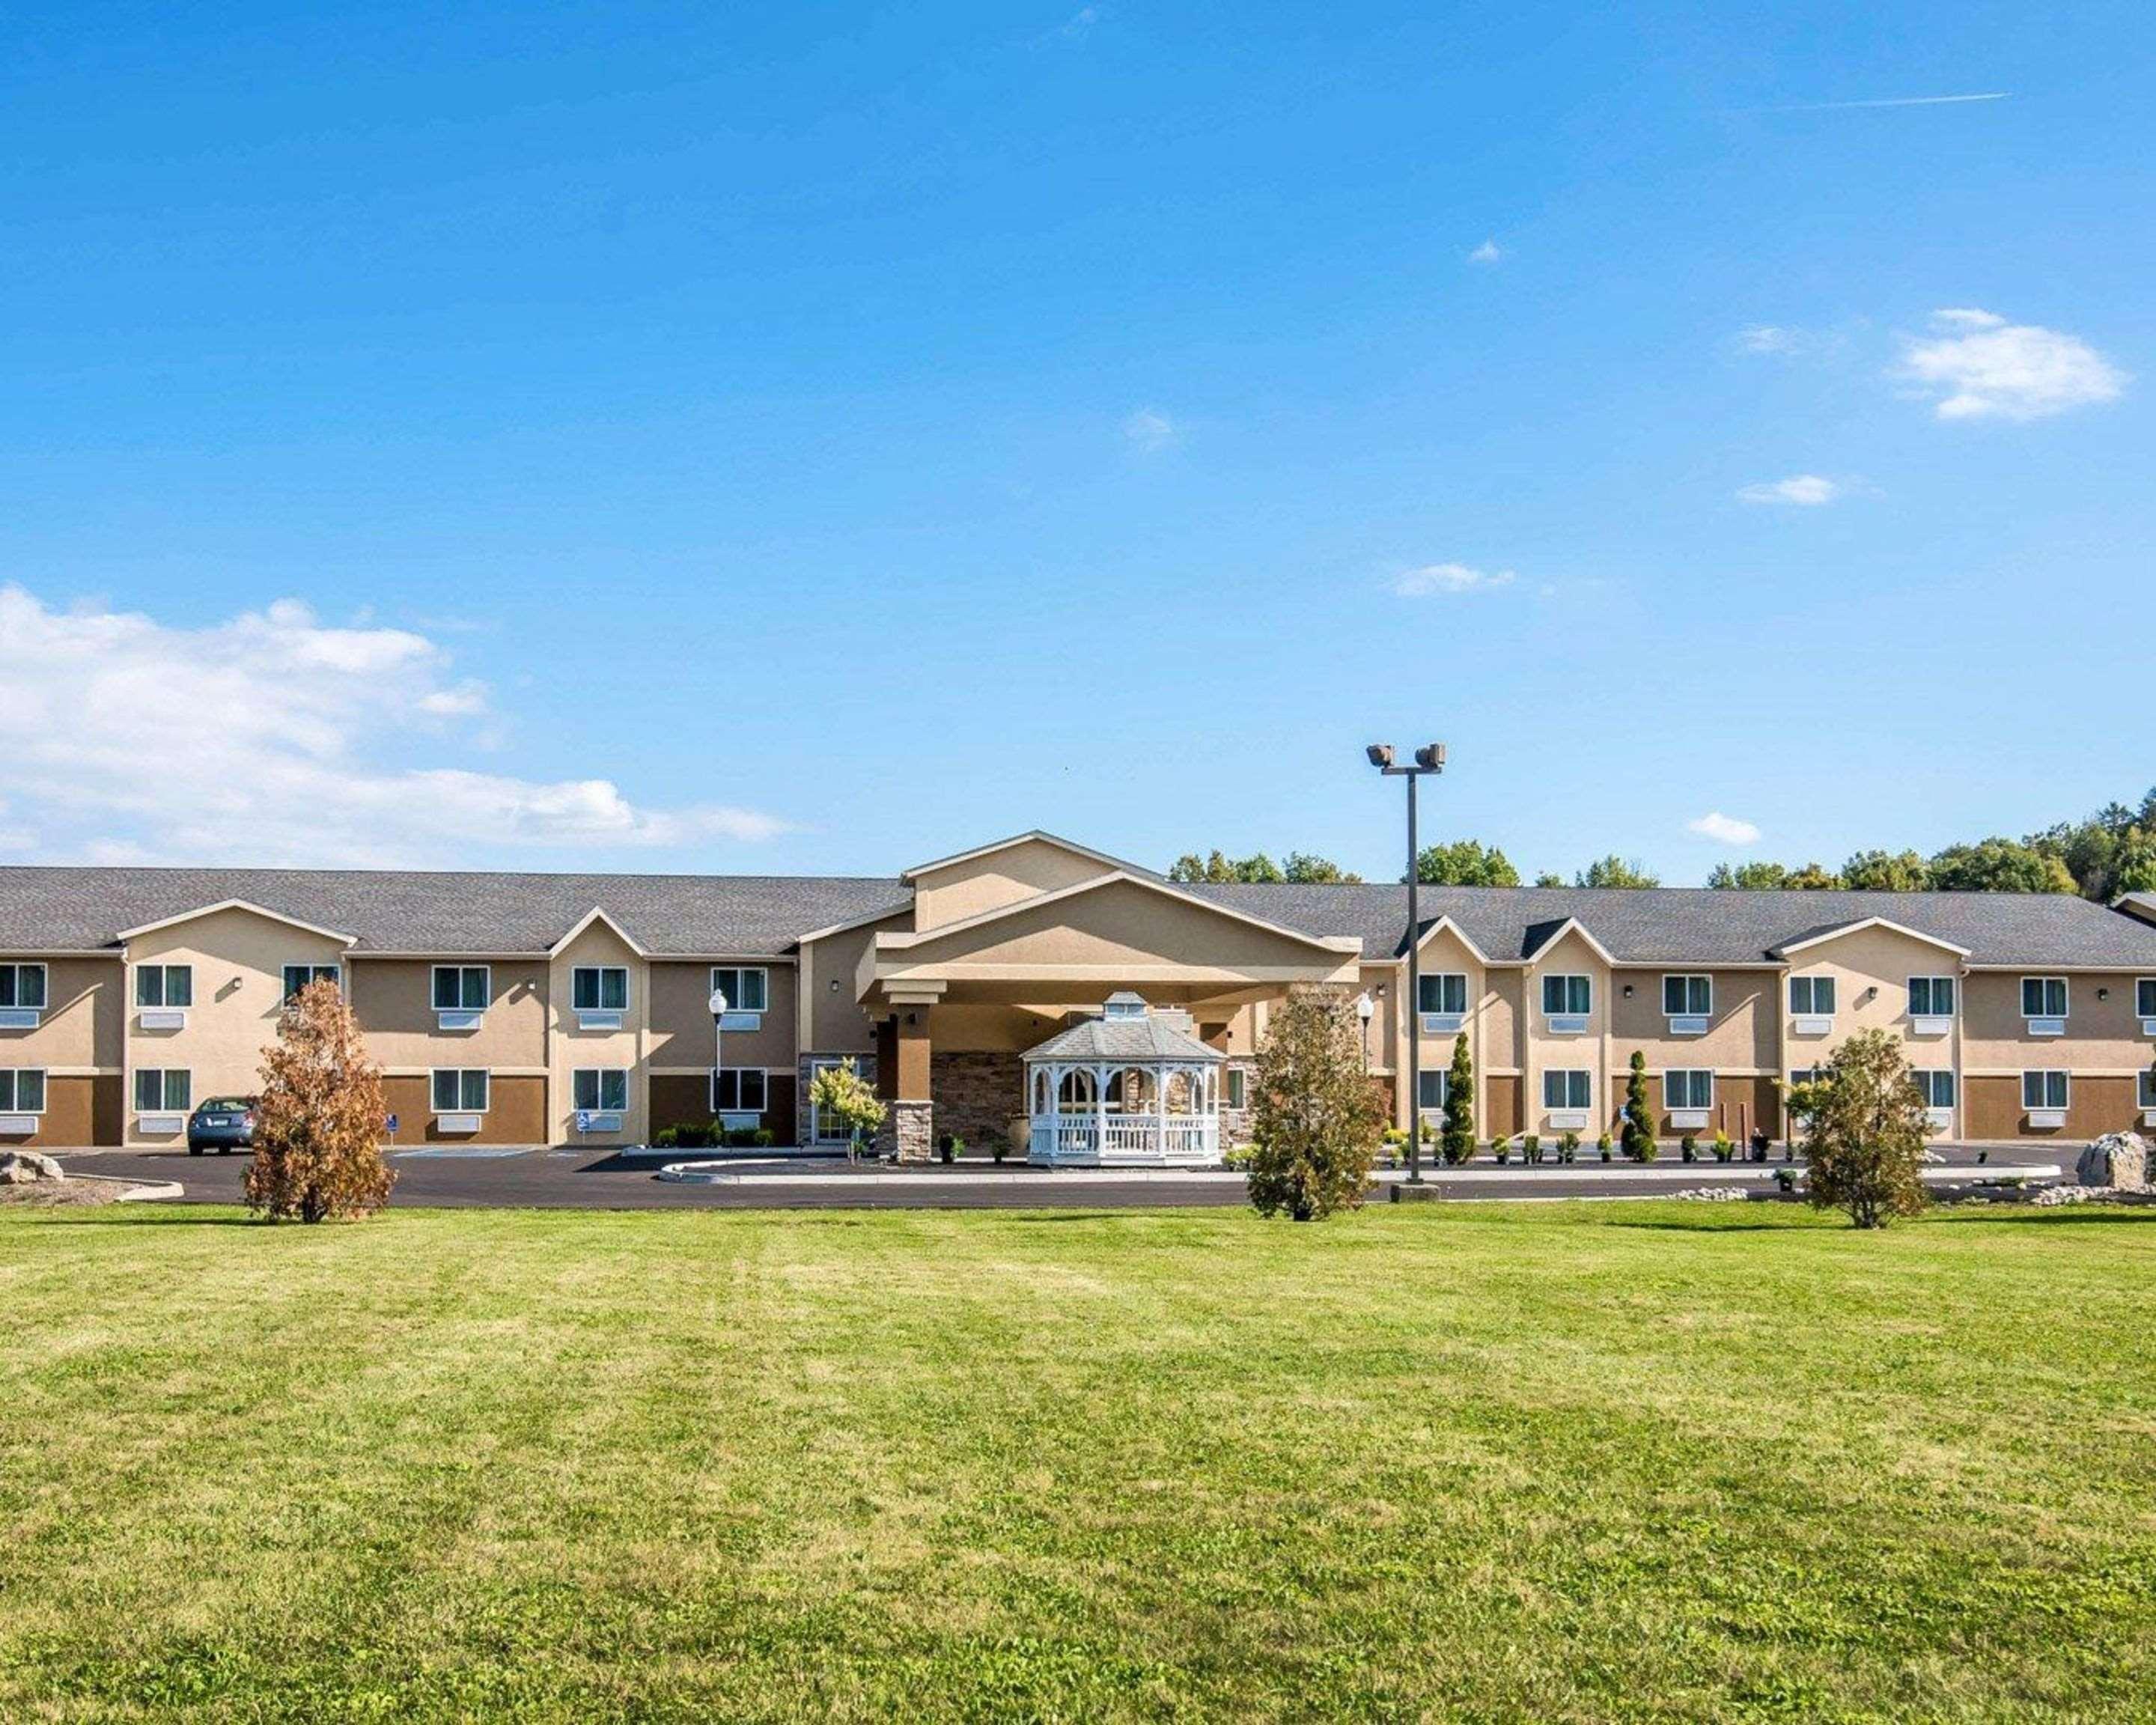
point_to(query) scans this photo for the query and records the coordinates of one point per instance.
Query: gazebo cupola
(1132, 1088)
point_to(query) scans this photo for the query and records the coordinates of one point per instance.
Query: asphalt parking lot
(582, 1180)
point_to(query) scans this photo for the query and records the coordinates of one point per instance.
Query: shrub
(1458, 1139)
(1567, 1147)
(1639, 1133)
(1723, 1149)
(1318, 1120)
(1240, 1156)
(764, 1138)
(1688, 1148)
(318, 1126)
(1605, 1147)
(838, 1093)
(1864, 1134)
(1502, 1148)
(1531, 1149)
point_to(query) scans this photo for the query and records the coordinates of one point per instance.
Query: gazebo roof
(1139, 1040)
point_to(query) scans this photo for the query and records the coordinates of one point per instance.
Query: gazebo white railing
(1123, 1090)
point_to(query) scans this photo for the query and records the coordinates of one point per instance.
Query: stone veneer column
(909, 1130)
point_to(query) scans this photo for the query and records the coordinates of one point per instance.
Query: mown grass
(1648, 1462)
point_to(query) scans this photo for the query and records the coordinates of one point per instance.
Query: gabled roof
(1146, 1039)
(1144, 882)
(1431, 931)
(1835, 932)
(598, 913)
(1543, 935)
(232, 904)
(1035, 836)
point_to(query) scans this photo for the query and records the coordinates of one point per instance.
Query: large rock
(26, 1168)
(2117, 1159)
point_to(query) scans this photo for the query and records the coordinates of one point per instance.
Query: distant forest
(2109, 852)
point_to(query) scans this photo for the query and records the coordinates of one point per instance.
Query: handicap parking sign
(583, 1121)
(393, 1122)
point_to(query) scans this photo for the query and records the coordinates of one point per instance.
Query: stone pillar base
(908, 1131)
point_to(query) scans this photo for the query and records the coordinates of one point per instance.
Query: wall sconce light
(1871, 994)
(2104, 994)
(834, 985)
(1628, 991)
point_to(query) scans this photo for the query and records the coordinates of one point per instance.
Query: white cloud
(1770, 338)
(1724, 828)
(273, 737)
(1148, 429)
(1447, 578)
(1805, 490)
(1081, 21)
(1978, 365)
(1488, 252)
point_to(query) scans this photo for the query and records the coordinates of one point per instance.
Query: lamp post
(718, 1005)
(1429, 759)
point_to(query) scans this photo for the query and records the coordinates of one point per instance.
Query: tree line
(2101, 855)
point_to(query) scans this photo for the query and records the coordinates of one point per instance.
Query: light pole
(718, 1005)
(1429, 759)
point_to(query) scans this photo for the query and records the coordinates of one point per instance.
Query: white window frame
(599, 1010)
(601, 1073)
(734, 1002)
(1239, 1089)
(485, 972)
(2144, 1003)
(763, 1077)
(316, 972)
(1812, 980)
(1443, 1079)
(817, 1133)
(2066, 1001)
(164, 1075)
(1926, 1078)
(1433, 982)
(1566, 1009)
(1688, 1074)
(462, 1074)
(16, 970)
(2045, 1106)
(13, 1103)
(1930, 1009)
(1565, 1105)
(1685, 1009)
(164, 973)
(2144, 1093)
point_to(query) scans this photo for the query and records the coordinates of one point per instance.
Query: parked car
(223, 1124)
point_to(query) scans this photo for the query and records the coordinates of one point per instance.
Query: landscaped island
(1591, 1461)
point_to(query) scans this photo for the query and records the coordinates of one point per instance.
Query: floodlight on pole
(1429, 759)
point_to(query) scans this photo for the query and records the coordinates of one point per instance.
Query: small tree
(1317, 1118)
(1865, 1127)
(319, 1124)
(1458, 1140)
(840, 1093)
(1639, 1132)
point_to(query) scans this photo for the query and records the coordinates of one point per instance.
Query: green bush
(1639, 1133)
(1567, 1147)
(1605, 1147)
(1531, 1148)
(1688, 1148)
(1502, 1148)
(1723, 1149)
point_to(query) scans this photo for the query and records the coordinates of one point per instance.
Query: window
(22, 1090)
(1567, 1090)
(164, 985)
(460, 1090)
(298, 976)
(463, 988)
(1688, 1090)
(2043, 996)
(1568, 997)
(1446, 991)
(22, 985)
(1238, 1094)
(739, 1090)
(2144, 998)
(2145, 1090)
(2043, 1090)
(1811, 997)
(1688, 997)
(1931, 997)
(599, 988)
(1936, 1088)
(163, 1092)
(600, 1090)
(1437, 1088)
(746, 990)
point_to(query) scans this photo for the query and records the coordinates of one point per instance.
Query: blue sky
(822, 438)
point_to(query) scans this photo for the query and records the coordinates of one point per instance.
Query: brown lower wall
(71, 1118)
(1991, 1108)
(1741, 1106)
(515, 1112)
(1500, 1107)
(977, 1095)
(685, 1099)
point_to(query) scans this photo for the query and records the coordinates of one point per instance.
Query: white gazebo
(1132, 1088)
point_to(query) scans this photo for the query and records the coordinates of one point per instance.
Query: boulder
(2117, 1159)
(25, 1168)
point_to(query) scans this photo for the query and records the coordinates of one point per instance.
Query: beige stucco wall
(1742, 1031)
(1002, 877)
(830, 1015)
(571, 1047)
(681, 1030)
(1881, 958)
(2102, 1035)
(81, 1032)
(1569, 955)
(238, 957)
(395, 998)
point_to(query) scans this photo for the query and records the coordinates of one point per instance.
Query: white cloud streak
(1724, 828)
(1975, 365)
(1149, 429)
(1801, 490)
(1436, 578)
(272, 737)
(1922, 102)
(1488, 252)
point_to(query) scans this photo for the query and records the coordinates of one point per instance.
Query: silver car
(223, 1124)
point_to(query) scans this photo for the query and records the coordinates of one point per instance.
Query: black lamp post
(1429, 759)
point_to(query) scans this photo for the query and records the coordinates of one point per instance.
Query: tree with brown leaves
(1318, 1116)
(1864, 1127)
(318, 1127)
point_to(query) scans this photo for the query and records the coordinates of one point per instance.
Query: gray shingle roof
(63, 909)
(1700, 926)
(1146, 1039)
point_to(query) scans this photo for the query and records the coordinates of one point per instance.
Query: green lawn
(1551, 1462)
